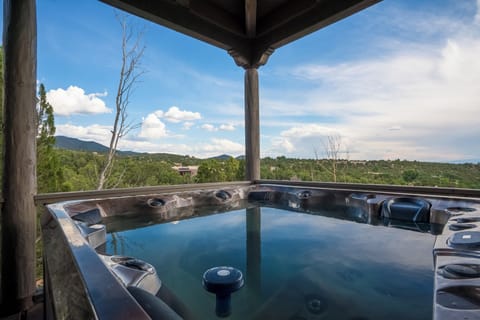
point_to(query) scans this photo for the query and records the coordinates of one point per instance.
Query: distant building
(186, 170)
(361, 162)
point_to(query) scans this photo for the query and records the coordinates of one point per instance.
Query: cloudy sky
(399, 80)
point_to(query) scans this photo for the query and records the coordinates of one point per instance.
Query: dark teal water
(300, 266)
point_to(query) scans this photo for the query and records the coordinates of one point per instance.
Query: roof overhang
(250, 30)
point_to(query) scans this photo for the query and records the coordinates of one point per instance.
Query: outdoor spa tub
(292, 251)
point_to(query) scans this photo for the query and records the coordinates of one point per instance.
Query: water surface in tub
(297, 266)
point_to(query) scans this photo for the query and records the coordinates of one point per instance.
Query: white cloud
(211, 148)
(307, 130)
(152, 147)
(74, 100)
(94, 132)
(227, 127)
(187, 125)
(175, 115)
(420, 105)
(101, 134)
(159, 113)
(281, 146)
(308, 139)
(152, 128)
(220, 146)
(395, 128)
(209, 127)
(223, 127)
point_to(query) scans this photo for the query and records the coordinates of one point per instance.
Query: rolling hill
(68, 143)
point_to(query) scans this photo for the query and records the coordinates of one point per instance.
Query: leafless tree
(130, 72)
(332, 149)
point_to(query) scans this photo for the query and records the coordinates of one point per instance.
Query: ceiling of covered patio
(250, 30)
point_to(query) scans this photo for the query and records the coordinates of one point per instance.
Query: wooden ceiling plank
(283, 14)
(251, 18)
(217, 16)
(180, 19)
(322, 15)
(252, 41)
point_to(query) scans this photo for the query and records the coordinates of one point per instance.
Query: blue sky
(397, 80)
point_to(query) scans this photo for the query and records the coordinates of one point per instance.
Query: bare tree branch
(130, 73)
(332, 149)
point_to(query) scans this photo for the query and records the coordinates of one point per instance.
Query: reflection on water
(297, 266)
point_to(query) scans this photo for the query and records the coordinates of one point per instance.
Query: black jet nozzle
(223, 281)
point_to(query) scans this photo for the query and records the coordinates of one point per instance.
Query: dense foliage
(397, 172)
(49, 171)
(80, 171)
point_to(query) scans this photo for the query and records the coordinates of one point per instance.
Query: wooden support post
(18, 216)
(252, 125)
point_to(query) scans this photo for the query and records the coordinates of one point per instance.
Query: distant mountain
(75, 144)
(63, 142)
(224, 157)
(221, 157)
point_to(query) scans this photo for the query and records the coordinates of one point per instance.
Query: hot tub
(305, 253)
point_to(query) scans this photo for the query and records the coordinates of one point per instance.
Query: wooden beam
(276, 34)
(251, 18)
(179, 18)
(283, 14)
(250, 44)
(19, 180)
(215, 15)
(252, 125)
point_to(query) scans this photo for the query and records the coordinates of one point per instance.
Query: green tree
(410, 175)
(211, 171)
(234, 171)
(49, 172)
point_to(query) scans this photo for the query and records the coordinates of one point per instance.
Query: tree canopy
(49, 171)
